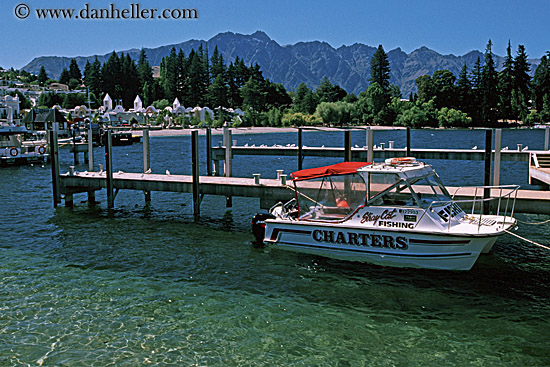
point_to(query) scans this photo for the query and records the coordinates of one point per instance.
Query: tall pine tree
(380, 69)
(506, 84)
(489, 92)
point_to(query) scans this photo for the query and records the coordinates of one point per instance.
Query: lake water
(141, 285)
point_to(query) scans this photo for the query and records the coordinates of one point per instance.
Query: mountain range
(309, 62)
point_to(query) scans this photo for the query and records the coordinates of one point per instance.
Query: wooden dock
(539, 169)
(269, 191)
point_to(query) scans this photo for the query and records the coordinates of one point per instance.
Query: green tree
(541, 81)
(489, 92)
(425, 88)
(304, 100)
(376, 100)
(327, 92)
(522, 79)
(130, 81)
(169, 75)
(476, 92)
(253, 94)
(145, 72)
(74, 70)
(464, 91)
(72, 100)
(49, 99)
(277, 95)
(380, 70)
(218, 92)
(42, 76)
(444, 84)
(92, 77)
(65, 77)
(449, 117)
(111, 74)
(506, 84)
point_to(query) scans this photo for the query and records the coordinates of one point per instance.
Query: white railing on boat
(483, 196)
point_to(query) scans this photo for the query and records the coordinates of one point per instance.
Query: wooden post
(370, 145)
(75, 152)
(228, 142)
(300, 153)
(69, 200)
(146, 161)
(195, 167)
(54, 156)
(90, 149)
(408, 142)
(498, 144)
(91, 198)
(546, 136)
(109, 170)
(209, 151)
(487, 176)
(347, 146)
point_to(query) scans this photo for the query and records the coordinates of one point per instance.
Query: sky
(446, 26)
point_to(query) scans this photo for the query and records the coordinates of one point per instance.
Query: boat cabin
(336, 192)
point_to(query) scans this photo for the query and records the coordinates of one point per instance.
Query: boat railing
(481, 201)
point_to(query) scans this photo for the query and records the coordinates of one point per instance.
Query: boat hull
(409, 249)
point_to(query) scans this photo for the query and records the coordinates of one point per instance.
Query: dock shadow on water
(148, 285)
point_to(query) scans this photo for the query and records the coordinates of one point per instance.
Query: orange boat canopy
(344, 168)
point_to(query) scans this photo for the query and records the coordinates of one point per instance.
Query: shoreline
(256, 130)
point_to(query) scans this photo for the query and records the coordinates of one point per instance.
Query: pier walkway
(269, 191)
(539, 169)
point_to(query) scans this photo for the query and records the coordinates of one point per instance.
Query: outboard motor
(258, 227)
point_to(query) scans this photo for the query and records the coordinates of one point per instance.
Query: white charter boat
(13, 150)
(396, 213)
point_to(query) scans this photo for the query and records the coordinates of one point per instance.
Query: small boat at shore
(396, 213)
(14, 150)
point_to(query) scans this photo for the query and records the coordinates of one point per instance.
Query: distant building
(107, 102)
(138, 105)
(44, 120)
(9, 107)
(58, 87)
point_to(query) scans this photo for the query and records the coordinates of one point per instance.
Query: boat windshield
(390, 190)
(429, 189)
(331, 198)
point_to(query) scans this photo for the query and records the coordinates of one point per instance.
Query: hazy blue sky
(446, 26)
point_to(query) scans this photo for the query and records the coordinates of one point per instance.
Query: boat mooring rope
(526, 240)
(535, 223)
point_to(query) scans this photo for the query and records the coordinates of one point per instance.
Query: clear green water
(147, 286)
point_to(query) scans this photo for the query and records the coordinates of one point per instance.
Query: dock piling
(209, 151)
(347, 146)
(370, 145)
(146, 161)
(408, 142)
(75, 152)
(54, 152)
(195, 167)
(109, 170)
(90, 149)
(487, 176)
(227, 141)
(546, 137)
(498, 144)
(300, 152)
